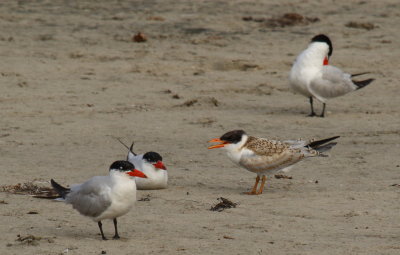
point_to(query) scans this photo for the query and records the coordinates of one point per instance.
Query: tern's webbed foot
(116, 237)
(312, 114)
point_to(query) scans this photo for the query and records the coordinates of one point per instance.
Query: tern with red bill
(104, 197)
(266, 157)
(313, 77)
(150, 164)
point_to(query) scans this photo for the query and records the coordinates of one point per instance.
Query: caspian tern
(104, 197)
(266, 157)
(312, 76)
(152, 166)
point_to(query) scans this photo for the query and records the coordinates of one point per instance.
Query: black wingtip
(324, 147)
(119, 140)
(316, 144)
(362, 84)
(62, 191)
(358, 74)
(131, 149)
(126, 146)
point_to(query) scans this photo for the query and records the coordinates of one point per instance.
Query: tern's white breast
(307, 66)
(122, 196)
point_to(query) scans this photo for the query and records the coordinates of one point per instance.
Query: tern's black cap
(122, 166)
(152, 157)
(325, 39)
(233, 136)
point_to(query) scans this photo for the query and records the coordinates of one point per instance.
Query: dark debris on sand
(29, 188)
(189, 103)
(361, 25)
(287, 19)
(139, 38)
(31, 240)
(282, 176)
(145, 198)
(28, 240)
(205, 101)
(224, 204)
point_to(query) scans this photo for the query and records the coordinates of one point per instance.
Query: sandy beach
(73, 79)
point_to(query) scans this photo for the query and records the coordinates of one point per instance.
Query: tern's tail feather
(62, 191)
(322, 145)
(362, 84)
(129, 148)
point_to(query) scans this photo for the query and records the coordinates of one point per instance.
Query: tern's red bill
(160, 165)
(326, 61)
(136, 173)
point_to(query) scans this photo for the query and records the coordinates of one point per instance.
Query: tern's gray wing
(333, 82)
(91, 198)
(137, 161)
(134, 158)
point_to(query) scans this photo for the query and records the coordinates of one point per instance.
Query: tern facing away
(266, 157)
(104, 197)
(312, 76)
(152, 166)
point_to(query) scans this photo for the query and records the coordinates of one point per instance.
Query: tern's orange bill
(136, 173)
(217, 140)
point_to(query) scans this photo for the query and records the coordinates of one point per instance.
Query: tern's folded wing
(91, 198)
(269, 162)
(265, 147)
(332, 82)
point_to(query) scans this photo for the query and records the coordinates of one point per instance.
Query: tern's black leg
(312, 114)
(101, 230)
(116, 236)
(323, 111)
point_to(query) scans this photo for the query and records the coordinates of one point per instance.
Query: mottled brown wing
(264, 147)
(277, 161)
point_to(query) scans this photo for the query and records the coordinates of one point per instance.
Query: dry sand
(72, 79)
